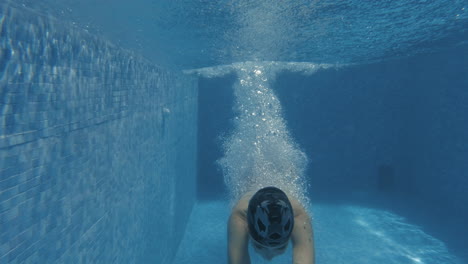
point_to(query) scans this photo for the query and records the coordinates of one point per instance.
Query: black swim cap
(270, 217)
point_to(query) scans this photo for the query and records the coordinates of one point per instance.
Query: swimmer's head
(270, 218)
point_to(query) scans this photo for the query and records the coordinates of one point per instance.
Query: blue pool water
(353, 232)
(129, 129)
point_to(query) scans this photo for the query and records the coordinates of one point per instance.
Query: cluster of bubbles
(260, 151)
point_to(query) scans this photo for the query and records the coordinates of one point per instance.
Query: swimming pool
(129, 129)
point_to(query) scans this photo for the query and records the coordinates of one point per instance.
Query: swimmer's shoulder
(298, 209)
(240, 209)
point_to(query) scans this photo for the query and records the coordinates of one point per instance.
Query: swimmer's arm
(303, 240)
(238, 252)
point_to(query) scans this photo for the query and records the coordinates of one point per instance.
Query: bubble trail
(260, 151)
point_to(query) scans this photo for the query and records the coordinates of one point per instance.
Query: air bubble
(275, 159)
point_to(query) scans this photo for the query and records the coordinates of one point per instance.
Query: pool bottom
(344, 234)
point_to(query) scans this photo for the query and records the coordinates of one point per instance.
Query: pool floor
(344, 234)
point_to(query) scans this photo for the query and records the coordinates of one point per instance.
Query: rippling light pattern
(201, 33)
(368, 235)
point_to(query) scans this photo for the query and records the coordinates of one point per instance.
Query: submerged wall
(399, 127)
(436, 145)
(215, 115)
(97, 148)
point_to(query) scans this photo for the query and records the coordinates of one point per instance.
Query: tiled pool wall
(97, 148)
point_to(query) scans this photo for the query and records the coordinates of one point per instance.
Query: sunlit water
(260, 150)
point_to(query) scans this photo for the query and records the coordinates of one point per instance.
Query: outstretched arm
(238, 252)
(303, 240)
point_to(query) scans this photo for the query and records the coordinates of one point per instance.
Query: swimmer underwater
(269, 219)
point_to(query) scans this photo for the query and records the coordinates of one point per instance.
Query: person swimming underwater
(269, 219)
